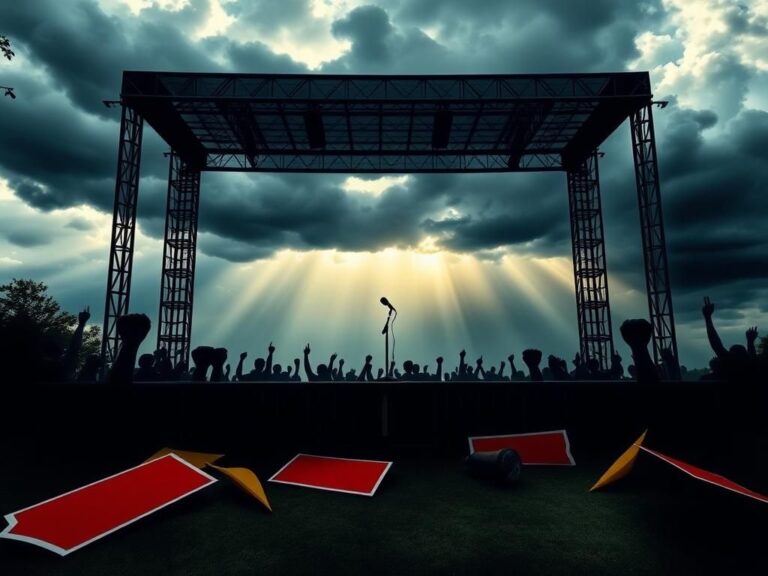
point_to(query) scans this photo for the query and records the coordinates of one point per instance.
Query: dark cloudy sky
(475, 261)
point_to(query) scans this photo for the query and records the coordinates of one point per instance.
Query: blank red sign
(70, 521)
(535, 448)
(334, 474)
(706, 476)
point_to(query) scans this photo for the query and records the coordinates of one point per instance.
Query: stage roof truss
(384, 124)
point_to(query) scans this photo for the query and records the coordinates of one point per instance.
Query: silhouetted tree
(35, 331)
(5, 47)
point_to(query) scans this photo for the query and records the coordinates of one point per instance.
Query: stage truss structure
(386, 124)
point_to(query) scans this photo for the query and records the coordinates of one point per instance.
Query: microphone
(387, 304)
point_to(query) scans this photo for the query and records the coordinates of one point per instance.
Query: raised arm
(268, 368)
(75, 343)
(637, 335)
(439, 374)
(239, 369)
(751, 337)
(500, 373)
(512, 369)
(462, 364)
(132, 329)
(330, 363)
(365, 373)
(532, 359)
(307, 368)
(714, 339)
(479, 370)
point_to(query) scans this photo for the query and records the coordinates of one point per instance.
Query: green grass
(428, 517)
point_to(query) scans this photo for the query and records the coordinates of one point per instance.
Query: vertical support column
(652, 230)
(177, 284)
(123, 231)
(589, 270)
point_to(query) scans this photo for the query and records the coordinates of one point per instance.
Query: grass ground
(427, 518)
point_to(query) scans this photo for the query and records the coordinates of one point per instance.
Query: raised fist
(341, 363)
(463, 353)
(219, 356)
(708, 307)
(501, 366)
(479, 361)
(752, 334)
(333, 356)
(511, 358)
(636, 333)
(82, 318)
(307, 350)
(368, 359)
(133, 328)
(271, 348)
(532, 357)
(296, 361)
(439, 360)
(202, 356)
(243, 355)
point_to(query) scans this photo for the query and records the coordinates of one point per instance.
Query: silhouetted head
(416, 369)
(146, 361)
(259, 364)
(323, 373)
(593, 365)
(552, 362)
(277, 369)
(493, 370)
(739, 352)
(408, 366)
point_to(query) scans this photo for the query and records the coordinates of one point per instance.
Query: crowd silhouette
(739, 363)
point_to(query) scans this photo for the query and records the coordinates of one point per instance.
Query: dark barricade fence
(354, 417)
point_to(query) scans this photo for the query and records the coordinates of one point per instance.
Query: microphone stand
(385, 331)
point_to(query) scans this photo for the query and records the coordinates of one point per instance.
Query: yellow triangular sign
(197, 459)
(247, 480)
(622, 466)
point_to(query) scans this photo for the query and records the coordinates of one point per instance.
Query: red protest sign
(70, 521)
(335, 474)
(550, 448)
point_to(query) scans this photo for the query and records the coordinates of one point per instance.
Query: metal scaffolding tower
(593, 307)
(177, 288)
(123, 231)
(652, 231)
